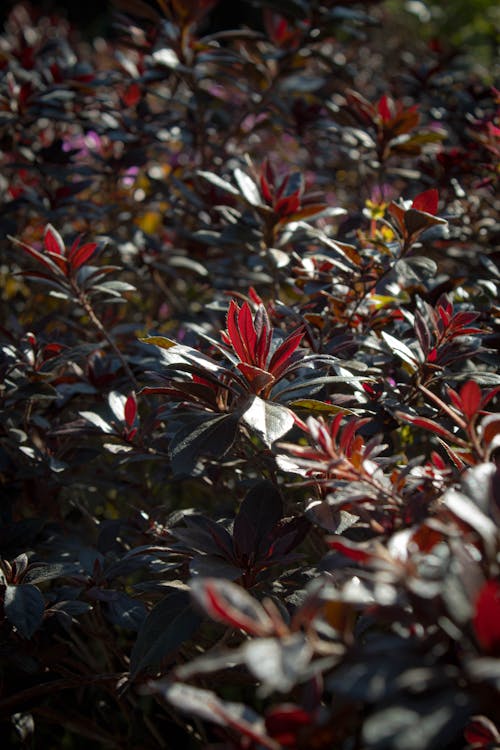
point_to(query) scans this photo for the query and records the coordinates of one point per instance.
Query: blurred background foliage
(471, 24)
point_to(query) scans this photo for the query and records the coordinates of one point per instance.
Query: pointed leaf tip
(427, 202)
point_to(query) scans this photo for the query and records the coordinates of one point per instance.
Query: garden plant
(249, 334)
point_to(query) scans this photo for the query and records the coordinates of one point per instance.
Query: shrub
(248, 446)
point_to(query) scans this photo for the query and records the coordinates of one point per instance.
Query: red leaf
(384, 109)
(470, 395)
(254, 296)
(428, 424)
(438, 461)
(426, 538)
(283, 723)
(284, 352)
(349, 549)
(349, 431)
(335, 425)
(264, 336)
(397, 213)
(486, 619)
(265, 190)
(306, 211)
(445, 314)
(258, 379)
(462, 319)
(427, 201)
(288, 205)
(44, 260)
(455, 398)
(247, 332)
(132, 95)
(233, 335)
(232, 605)
(481, 732)
(80, 255)
(53, 241)
(130, 410)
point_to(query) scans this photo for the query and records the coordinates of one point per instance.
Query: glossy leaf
(24, 608)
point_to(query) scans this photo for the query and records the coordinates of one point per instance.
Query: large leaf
(231, 605)
(208, 706)
(279, 663)
(429, 721)
(204, 435)
(258, 515)
(125, 611)
(24, 608)
(269, 420)
(169, 624)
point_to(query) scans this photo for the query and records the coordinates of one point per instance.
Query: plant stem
(97, 323)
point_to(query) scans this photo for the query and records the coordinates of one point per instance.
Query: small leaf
(257, 379)
(401, 349)
(53, 241)
(218, 182)
(284, 352)
(116, 403)
(97, 421)
(130, 410)
(248, 188)
(160, 341)
(24, 608)
(427, 201)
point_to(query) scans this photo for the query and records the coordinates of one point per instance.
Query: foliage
(249, 434)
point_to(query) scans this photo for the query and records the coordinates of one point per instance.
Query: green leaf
(315, 406)
(160, 341)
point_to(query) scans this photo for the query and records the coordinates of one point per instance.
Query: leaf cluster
(249, 431)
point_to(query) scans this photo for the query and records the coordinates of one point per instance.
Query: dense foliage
(249, 373)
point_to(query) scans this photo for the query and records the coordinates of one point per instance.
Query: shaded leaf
(170, 623)
(257, 517)
(202, 436)
(24, 608)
